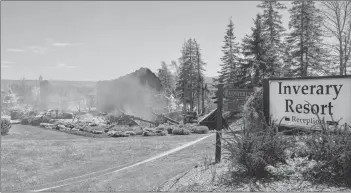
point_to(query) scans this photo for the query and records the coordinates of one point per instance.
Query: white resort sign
(297, 102)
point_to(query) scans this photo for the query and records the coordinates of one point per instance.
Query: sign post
(219, 124)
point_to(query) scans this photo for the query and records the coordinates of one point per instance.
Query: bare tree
(78, 106)
(91, 102)
(337, 16)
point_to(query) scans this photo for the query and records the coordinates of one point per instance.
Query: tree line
(318, 42)
(187, 84)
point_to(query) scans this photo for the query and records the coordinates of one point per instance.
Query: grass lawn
(150, 175)
(34, 158)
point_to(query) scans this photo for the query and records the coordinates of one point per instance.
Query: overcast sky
(95, 40)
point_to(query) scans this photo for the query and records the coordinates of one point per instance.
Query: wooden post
(219, 124)
(266, 110)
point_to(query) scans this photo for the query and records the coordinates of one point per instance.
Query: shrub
(97, 132)
(88, 128)
(180, 131)
(93, 124)
(5, 126)
(332, 149)
(101, 127)
(161, 133)
(45, 119)
(253, 110)
(16, 114)
(117, 134)
(254, 151)
(189, 126)
(149, 130)
(131, 133)
(137, 130)
(170, 130)
(166, 127)
(153, 132)
(162, 127)
(82, 128)
(181, 125)
(149, 133)
(120, 128)
(35, 121)
(61, 127)
(200, 129)
(47, 125)
(69, 125)
(26, 120)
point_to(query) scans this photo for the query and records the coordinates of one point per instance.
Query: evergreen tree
(181, 82)
(204, 93)
(166, 78)
(190, 74)
(230, 60)
(184, 84)
(199, 75)
(255, 54)
(273, 30)
(305, 38)
(288, 61)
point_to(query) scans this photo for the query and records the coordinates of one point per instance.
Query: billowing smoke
(64, 96)
(133, 94)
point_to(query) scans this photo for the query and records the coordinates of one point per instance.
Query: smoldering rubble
(134, 94)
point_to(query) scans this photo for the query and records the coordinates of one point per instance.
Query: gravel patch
(200, 178)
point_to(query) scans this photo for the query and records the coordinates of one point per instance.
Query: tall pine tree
(230, 60)
(255, 54)
(190, 78)
(181, 85)
(273, 30)
(166, 78)
(305, 39)
(199, 70)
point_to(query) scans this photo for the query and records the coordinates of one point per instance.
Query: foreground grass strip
(121, 169)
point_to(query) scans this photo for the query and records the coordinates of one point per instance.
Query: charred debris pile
(133, 97)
